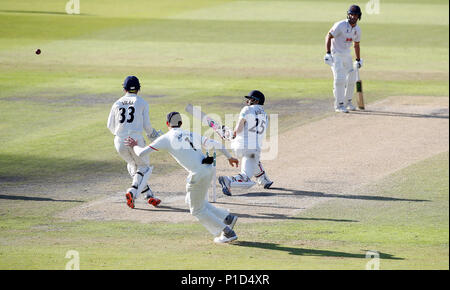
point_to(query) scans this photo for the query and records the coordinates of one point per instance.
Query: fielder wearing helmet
(338, 42)
(249, 133)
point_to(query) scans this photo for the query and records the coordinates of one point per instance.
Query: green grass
(54, 108)
(406, 222)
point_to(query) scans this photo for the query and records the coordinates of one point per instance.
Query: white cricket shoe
(227, 236)
(264, 181)
(341, 109)
(225, 182)
(350, 107)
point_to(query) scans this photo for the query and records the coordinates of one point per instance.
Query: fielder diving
(246, 143)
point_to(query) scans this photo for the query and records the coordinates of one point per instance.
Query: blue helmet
(256, 95)
(131, 84)
(354, 9)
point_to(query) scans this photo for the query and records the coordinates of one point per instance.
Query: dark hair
(174, 119)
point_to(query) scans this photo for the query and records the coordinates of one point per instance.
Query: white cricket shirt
(343, 37)
(129, 116)
(252, 135)
(184, 146)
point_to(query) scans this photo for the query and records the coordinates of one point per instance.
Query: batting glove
(359, 63)
(328, 59)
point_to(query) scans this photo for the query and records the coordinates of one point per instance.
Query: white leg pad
(241, 181)
(350, 88)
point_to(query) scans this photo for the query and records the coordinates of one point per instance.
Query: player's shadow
(275, 216)
(164, 208)
(37, 12)
(33, 198)
(258, 204)
(440, 115)
(309, 252)
(294, 192)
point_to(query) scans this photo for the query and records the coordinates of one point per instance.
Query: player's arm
(151, 133)
(210, 143)
(328, 42)
(156, 145)
(357, 50)
(112, 120)
(239, 127)
(356, 46)
(359, 61)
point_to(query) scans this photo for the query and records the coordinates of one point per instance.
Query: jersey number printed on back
(123, 115)
(259, 126)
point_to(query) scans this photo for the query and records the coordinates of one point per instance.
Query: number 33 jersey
(256, 122)
(129, 116)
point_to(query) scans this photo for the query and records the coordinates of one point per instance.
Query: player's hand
(233, 161)
(328, 59)
(359, 63)
(130, 142)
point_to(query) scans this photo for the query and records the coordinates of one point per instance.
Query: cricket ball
(38, 51)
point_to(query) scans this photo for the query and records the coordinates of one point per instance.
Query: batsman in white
(338, 42)
(129, 117)
(247, 141)
(186, 148)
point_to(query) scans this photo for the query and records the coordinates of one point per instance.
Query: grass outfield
(54, 108)
(408, 228)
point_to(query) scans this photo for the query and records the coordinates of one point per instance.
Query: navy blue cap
(131, 84)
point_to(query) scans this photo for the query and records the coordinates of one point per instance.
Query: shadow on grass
(440, 115)
(286, 217)
(38, 12)
(164, 208)
(16, 168)
(31, 198)
(308, 252)
(241, 215)
(327, 195)
(257, 204)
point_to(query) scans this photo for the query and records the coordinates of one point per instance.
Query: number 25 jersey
(256, 122)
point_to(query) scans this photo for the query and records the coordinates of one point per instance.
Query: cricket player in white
(129, 117)
(338, 42)
(248, 136)
(185, 148)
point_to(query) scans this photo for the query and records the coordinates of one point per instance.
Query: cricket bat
(223, 131)
(359, 90)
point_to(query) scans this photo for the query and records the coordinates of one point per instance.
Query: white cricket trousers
(344, 79)
(250, 162)
(138, 167)
(211, 217)
(134, 162)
